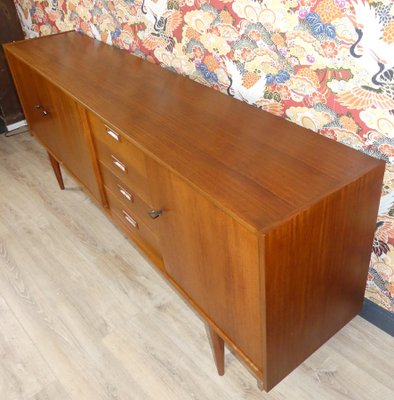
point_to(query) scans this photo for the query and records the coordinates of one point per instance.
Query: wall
(324, 64)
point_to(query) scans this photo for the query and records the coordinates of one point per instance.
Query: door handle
(113, 134)
(118, 164)
(125, 193)
(44, 113)
(155, 213)
(130, 219)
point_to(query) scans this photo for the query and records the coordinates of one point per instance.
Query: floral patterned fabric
(325, 64)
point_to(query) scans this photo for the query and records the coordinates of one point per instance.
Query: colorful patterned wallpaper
(325, 64)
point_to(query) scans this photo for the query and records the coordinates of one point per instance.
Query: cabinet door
(212, 258)
(25, 82)
(58, 122)
(44, 124)
(66, 121)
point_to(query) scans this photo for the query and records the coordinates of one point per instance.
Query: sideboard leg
(57, 171)
(217, 346)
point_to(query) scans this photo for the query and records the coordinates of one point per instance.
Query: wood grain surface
(56, 120)
(128, 197)
(199, 133)
(84, 317)
(212, 258)
(265, 228)
(124, 152)
(320, 276)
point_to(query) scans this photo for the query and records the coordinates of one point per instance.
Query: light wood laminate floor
(83, 316)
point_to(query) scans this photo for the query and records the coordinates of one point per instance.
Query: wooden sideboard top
(261, 168)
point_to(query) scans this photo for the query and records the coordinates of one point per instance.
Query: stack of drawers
(126, 185)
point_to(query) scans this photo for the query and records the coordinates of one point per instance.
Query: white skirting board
(16, 125)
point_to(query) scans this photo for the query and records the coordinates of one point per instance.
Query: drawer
(128, 198)
(133, 224)
(120, 156)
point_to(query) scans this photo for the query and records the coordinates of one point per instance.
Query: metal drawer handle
(44, 113)
(130, 220)
(155, 213)
(118, 163)
(113, 134)
(125, 193)
(37, 106)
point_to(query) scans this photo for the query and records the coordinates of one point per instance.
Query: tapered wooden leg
(57, 171)
(217, 345)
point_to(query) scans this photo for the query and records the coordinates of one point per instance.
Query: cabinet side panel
(315, 274)
(212, 258)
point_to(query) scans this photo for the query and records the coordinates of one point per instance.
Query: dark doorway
(10, 30)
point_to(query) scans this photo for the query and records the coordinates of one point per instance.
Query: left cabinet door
(59, 123)
(26, 83)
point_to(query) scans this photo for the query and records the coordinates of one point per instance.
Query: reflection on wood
(83, 316)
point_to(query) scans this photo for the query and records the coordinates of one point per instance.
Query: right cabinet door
(212, 258)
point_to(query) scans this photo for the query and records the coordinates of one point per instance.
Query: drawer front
(128, 198)
(121, 157)
(133, 224)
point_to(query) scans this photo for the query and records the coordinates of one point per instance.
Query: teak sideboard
(264, 227)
